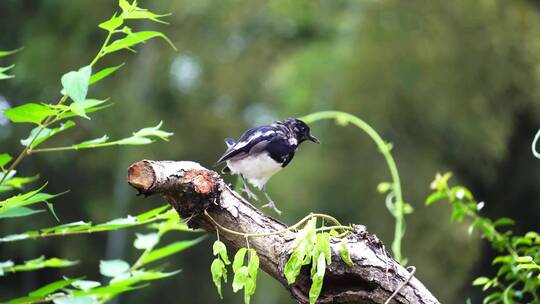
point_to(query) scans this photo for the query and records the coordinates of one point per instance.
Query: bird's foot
(271, 204)
(249, 193)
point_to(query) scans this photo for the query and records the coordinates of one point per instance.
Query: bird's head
(300, 130)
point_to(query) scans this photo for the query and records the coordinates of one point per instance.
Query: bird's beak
(314, 139)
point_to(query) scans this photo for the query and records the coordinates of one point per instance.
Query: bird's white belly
(256, 168)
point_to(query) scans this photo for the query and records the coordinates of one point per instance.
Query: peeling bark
(192, 189)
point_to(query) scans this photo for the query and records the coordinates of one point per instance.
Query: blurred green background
(452, 84)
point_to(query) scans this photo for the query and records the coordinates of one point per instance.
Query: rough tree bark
(193, 189)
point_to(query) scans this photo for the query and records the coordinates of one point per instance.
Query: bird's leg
(270, 203)
(246, 189)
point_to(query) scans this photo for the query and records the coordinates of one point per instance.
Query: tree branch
(193, 190)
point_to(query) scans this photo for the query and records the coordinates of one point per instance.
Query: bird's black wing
(253, 141)
(281, 150)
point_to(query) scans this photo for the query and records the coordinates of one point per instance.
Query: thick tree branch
(192, 190)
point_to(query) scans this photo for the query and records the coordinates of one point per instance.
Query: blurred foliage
(452, 84)
(50, 119)
(517, 280)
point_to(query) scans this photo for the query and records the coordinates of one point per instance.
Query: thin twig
(411, 270)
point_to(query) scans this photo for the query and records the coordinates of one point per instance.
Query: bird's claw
(271, 204)
(249, 193)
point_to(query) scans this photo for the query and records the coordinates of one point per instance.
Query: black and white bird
(263, 151)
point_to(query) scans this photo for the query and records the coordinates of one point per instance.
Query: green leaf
(113, 268)
(407, 208)
(9, 175)
(40, 263)
(240, 277)
(69, 227)
(220, 249)
(492, 298)
(7, 53)
(239, 259)
(29, 198)
(76, 83)
(51, 287)
(45, 134)
(29, 112)
(317, 279)
(480, 281)
(253, 268)
(126, 7)
(154, 212)
(19, 212)
(11, 183)
(458, 213)
(134, 141)
(134, 277)
(505, 259)
(76, 300)
(461, 193)
(130, 221)
(292, 267)
(145, 241)
(508, 294)
(20, 197)
(253, 265)
(532, 235)
(323, 246)
(344, 253)
(302, 251)
(503, 222)
(4, 69)
(69, 114)
(85, 285)
(14, 202)
(524, 259)
(15, 237)
(153, 132)
(51, 209)
(384, 187)
(6, 264)
(528, 266)
(144, 14)
(4, 159)
(435, 197)
(112, 24)
(79, 108)
(172, 224)
(218, 271)
(92, 143)
(134, 39)
(170, 249)
(104, 73)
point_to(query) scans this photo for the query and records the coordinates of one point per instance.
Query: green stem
(399, 214)
(533, 146)
(73, 148)
(290, 228)
(103, 46)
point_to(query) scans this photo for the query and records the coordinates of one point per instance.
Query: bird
(263, 151)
